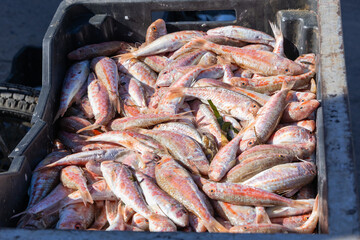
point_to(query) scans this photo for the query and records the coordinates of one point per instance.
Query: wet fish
(96, 50)
(284, 178)
(155, 30)
(43, 181)
(244, 34)
(107, 72)
(74, 79)
(175, 180)
(76, 216)
(73, 177)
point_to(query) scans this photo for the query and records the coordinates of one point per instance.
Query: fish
(100, 104)
(228, 101)
(167, 43)
(297, 111)
(123, 184)
(177, 182)
(43, 181)
(73, 177)
(279, 40)
(160, 202)
(284, 177)
(75, 77)
(107, 72)
(241, 194)
(243, 34)
(97, 50)
(262, 62)
(155, 30)
(76, 216)
(182, 148)
(143, 121)
(266, 119)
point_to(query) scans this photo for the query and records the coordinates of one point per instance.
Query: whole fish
(74, 79)
(233, 103)
(82, 158)
(262, 62)
(107, 72)
(177, 182)
(243, 34)
(167, 43)
(241, 194)
(142, 121)
(250, 166)
(284, 178)
(96, 50)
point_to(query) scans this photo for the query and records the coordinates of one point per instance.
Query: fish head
(156, 30)
(253, 108)
(239, 82)
(77, 225)
(288, 67)
(247, 143)
(302, 110)
(210, 189)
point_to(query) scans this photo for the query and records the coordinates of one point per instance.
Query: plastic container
(308, 24)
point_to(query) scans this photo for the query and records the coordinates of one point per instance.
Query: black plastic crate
(78, 23)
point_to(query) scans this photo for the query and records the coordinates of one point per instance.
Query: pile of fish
(189, 131)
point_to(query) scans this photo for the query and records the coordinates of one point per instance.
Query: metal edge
(342, 190)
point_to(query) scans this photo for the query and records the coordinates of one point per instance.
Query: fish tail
(298, 204)
(86, 196)
(19, 214)
(125, 56)
(90, 127)
(310, 224)
(214, 226)
(117, 105)
(276, 30)
(176, 92)
(199, 43)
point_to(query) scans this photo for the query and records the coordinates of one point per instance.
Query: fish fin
(199, 43)
(90, 127)
(288, 85)
(289, 192)
(214, 226)
(299, 204)
(276, 30)
(86, 196)
(261, 216)
(125, 56)
(19, 214)
(176, 92)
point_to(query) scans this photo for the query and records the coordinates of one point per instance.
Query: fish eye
(286, 70)
(302, 100)
(243, 84)
(158, 163)
(301, 107)
(212, 190)
(77, 226)
(281, 156)
(257, 37)
(154, 28)
(250, 143)
(254, 106)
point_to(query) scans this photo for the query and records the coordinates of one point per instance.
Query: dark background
(24, 22)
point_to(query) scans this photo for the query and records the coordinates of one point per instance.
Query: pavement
(24, 22)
